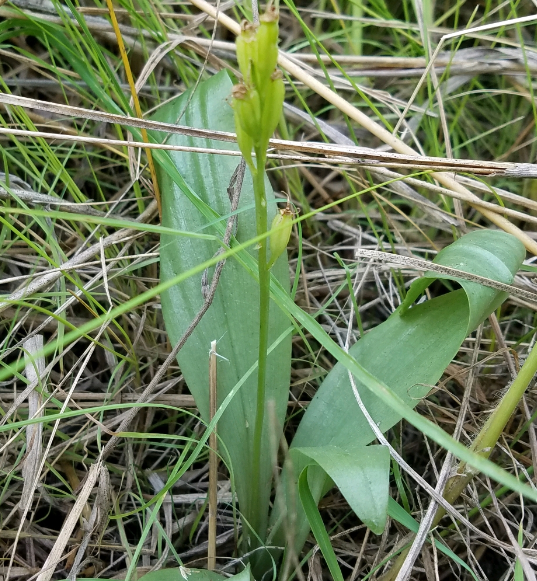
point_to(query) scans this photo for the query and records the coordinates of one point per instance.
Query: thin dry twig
(420, 264)
(213, 462)
(340, 154)
(64, 535)
(35, 370)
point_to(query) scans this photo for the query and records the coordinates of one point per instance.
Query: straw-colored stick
(213, 463)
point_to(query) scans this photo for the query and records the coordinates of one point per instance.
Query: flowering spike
(258, 100)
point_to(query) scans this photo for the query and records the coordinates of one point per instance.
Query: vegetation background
(80, 231)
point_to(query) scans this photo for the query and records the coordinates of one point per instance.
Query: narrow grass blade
(317, 525)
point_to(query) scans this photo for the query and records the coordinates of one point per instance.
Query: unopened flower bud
(267, 42)
(272, 106)
(243, 109)
(279, 238)
(245, 143)
(247, 106)
(247, 51)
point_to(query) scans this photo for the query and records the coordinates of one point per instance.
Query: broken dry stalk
(213, 463)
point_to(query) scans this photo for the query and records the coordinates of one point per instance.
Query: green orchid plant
(254, 314)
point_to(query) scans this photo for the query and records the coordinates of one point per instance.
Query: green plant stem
(264, 303)
(483, 445)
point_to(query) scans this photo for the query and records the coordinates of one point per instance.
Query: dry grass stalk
(213, 462)
(329, 154)
(71, 521)
(35, 368)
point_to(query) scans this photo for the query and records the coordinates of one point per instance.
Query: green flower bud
(267, 42)
(245, 143)
(247, 50)
(279, 239)
(247, 106)
(272, 105)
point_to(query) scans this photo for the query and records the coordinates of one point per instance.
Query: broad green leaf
(487, 253)
(362, 475)
(185, 574)
(233, 318)
(408, 353)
